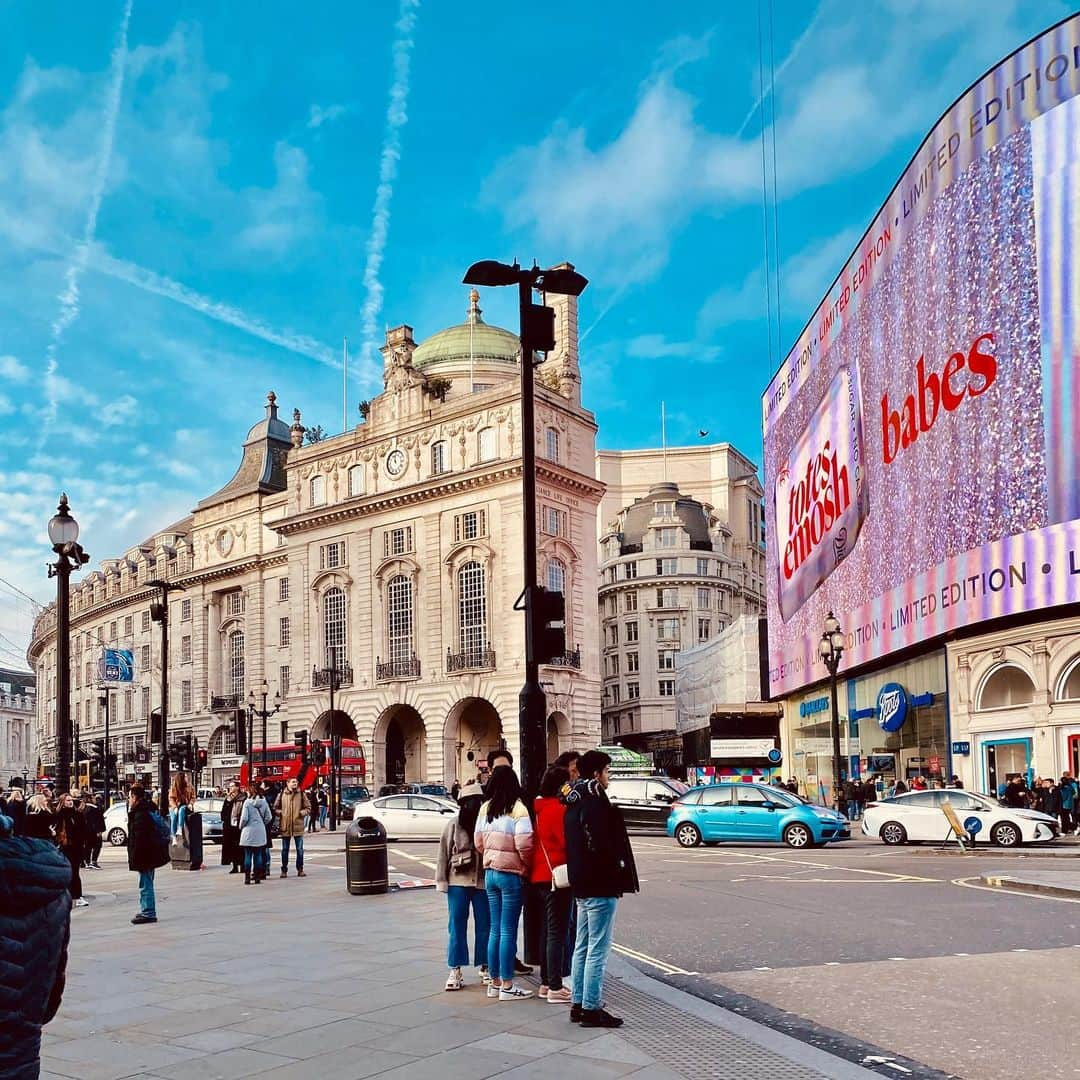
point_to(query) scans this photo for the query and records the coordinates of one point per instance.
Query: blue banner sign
(118, 665)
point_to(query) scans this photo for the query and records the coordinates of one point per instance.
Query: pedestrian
(35, 924)
(1016, 793)
(551, 883)
(601, 867)
(899, 788)
(71, 839)
(291, 810)
(40, 821)
(255, 818)
(918, 782)
(14, 807)
(569, 761)
(1050, 801)
(94, 817)
(851, 799)
(312, 799)
(792, 785)
(269, 792)
(324, 806)
(1068, 795)
(455, 791)
(956, 782)
(148, 848)
(230, 829)
(504, 837)
(460, 874)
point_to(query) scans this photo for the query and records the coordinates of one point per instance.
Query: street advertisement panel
(117, 666)
(919, 437)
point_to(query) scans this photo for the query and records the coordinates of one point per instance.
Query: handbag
(560, 875)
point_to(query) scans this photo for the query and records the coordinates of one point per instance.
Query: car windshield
(433, 789)
(354, 793)
(204, 806)
(784, 797)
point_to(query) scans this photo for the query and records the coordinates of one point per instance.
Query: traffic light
(177, 752)
(155, 727)
(538, 327)
(201, 759)
(97, 750)
(318, 752)
(189, 753)
(549, 624)
(240, 733)
(301, 743)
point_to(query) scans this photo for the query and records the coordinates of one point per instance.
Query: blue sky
(199, 201)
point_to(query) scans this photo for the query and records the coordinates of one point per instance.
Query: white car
(116, 824)
(415, 817)
(918, 815)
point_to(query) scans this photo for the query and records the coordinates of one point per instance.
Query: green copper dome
(472, 339)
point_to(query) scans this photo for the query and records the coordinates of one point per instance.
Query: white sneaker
(455, 980)
(492, 991)
(82, 903)
(514, 993)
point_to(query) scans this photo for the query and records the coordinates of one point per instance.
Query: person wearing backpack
(460, 874)
(148, 848)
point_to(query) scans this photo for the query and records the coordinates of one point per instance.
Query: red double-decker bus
(282, 762)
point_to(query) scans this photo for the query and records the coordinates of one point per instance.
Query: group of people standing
(247, 819)
(573, 855)
(1058, 798)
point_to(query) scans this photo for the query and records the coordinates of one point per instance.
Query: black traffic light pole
(159, 612)
(105, 702)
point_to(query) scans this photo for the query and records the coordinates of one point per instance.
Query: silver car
(412, 817)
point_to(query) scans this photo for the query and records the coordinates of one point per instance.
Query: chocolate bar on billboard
(820, 494)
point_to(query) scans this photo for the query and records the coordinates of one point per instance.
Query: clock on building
(395, 462)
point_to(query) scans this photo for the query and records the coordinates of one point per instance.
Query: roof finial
(473, 315)
(271, 406)
(296, 432)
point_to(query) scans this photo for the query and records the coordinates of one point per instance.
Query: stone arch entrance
(473, 728)
(558, 735)
(400, 746)
(333, 723)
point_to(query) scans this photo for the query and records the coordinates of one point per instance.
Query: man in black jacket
(95, 829)
(601, 866)
(147, 850)
(35, 921)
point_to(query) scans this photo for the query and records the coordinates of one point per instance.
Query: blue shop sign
(961, 748)
(892, 707)
(814, 705)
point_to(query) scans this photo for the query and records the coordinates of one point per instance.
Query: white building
(393, 550)
(18, 757)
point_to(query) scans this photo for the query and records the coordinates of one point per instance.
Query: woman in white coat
(254, 821)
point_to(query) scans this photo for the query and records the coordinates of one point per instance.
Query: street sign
(775, 756)
(961, 748)
(740, 748)
(973, 825)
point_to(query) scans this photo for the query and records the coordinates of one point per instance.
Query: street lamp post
(159, 612)
(264, 713)
(831, 649)
(329, 675)
(537, 330)
(64, 536)
(104, 702)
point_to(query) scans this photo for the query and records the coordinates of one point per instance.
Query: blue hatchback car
(750, 813)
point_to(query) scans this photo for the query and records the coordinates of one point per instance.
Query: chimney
(561, 365)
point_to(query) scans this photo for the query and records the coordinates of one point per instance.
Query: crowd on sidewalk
(571, 856)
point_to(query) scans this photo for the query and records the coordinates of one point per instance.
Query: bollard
(365, 857)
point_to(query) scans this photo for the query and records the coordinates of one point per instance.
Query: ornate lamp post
(264, 713)
(64, 537)
(831, 649)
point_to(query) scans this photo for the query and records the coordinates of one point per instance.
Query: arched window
(318, 490)
(1005, 686)
(556, 575)
(485, 444)
(399, 619)
(1069, 686)
(440, 459)
(236, 663)
(223, 741)
(551, 444)
(356, 480)
(472, 608)
(334, 627)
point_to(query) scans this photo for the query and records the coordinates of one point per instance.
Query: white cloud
(284, 215)
(12, 370)
(659, 347)
(6, 407)
(323, 114)
(120, 410)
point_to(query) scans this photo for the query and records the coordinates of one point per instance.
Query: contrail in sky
(69, 298)
(396, 118)
(150, 282)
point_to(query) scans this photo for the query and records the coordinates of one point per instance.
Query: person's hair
(15, 795)
(553, 781)
(503, 791)
(469, 812)
(136, 791)
(181, 792)
(593, 763)
(494, 755)
(566, 759)
(37, 804)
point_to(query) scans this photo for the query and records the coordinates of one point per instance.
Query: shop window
(1005, 686)
(1069, 685)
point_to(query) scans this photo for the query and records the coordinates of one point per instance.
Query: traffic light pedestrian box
(366, 869)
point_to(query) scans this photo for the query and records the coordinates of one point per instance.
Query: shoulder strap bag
(560, 875)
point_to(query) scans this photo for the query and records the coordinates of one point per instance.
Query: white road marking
(413, 858)
(897, 958)
(660, 965)
(812, 865)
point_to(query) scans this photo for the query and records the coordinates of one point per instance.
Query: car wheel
(798, 835)
(1006, 834)
(687, 835)
(117, 837)
(892, 832)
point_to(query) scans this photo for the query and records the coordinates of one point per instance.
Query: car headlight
(825, 815)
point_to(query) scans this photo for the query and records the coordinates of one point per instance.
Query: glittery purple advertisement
(915, 477)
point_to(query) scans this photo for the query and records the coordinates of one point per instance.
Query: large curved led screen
(920, 437)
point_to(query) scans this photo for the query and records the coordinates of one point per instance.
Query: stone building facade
(17, 746)
(392, 553)
(676, 569)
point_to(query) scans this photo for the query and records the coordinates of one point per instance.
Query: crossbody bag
(560, 875)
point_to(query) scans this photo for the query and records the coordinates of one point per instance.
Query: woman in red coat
(551, 853)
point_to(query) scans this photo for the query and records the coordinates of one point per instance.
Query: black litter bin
(365, 857)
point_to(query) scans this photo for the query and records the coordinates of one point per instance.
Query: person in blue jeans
(601, 866)
(147, 850)
(504, 838)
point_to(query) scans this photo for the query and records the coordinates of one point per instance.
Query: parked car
(412, 817)
(918, 816)
(210, 809)
(645, 802)
(351, 794)
(750, 813)
(116, 824)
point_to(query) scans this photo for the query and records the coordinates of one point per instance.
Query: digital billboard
(919, 439)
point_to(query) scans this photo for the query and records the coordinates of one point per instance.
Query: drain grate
(692, 1047)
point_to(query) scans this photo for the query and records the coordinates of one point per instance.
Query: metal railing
(470, 660)
(397, 669)
(567, 659)
(343, 676)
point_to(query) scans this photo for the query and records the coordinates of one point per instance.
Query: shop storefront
(893, 726)
(225, 768)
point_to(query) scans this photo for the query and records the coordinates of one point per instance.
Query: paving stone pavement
(298, 979)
